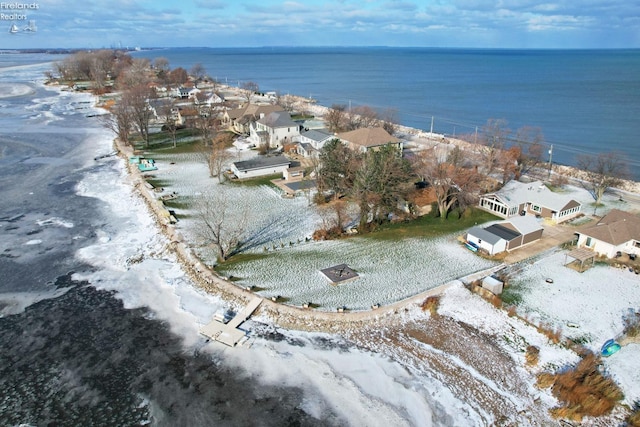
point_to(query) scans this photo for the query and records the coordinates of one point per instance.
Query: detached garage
(260, 166)
(505, 236)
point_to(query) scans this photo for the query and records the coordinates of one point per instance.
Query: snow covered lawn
(588, 307)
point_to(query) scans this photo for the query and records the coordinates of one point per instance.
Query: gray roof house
(505, 236)
(312, 141)
(518, 198)
(274, 129)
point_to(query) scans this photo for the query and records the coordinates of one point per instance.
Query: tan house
(240, 119)
(365, 139)
(518, 198)
(617, 231)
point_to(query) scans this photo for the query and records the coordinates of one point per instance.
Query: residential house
(518, 198)
(505, 236)
(187, 92)
(366, 139)
(618, 231)
(274, 130)
(240, 119)
(311, 142)
(164, 109)
(260, 166)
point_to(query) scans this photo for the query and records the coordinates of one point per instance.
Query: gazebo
(339, 274)
(582, 255)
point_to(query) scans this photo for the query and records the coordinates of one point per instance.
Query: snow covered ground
(588, 307)
(392, 271)
(288, 265)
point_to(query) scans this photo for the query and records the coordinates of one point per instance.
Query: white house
(618, 231)
(518, 198)
(505, 236)
(275, 129)
(311, 142)
(260, 166)
(187, 92)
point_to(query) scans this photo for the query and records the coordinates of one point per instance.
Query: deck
(228, 333)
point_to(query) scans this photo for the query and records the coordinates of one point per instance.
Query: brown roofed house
(618, 231)
(365, 139)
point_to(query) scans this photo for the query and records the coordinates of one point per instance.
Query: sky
(250, 23)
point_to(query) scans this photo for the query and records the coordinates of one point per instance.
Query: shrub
(532, 355)
(431, 304)
(633, 420)
(583, 390)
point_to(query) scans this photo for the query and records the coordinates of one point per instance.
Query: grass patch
(429, 226)
(258, 181)
(511, 296)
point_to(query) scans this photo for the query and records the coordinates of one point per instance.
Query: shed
(493, 285)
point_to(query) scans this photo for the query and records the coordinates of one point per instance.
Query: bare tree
(161, 64)
(220, 154)
(452, 183)
(136, 75)
(362, 116)
(287, 102)
(248, 89)
(171, 118)
(602, 172)
(119, 120)
(198, 72)
(494, 133)
(177, 76)
(221, 226)
(137, 99)
(336, 118)
(530, 142)
(389, 121)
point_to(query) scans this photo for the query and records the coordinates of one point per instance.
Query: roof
(368, 137)
(525, 224)
(616, 228)
(253, 110)
(484, 235)
(316, 135)
(502, 232)
(278, 119)
(515, 193)
(261, 163)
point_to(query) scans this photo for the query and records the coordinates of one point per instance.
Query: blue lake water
(584, 101)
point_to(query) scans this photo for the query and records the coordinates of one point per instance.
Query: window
(589, 242)
(536, 208)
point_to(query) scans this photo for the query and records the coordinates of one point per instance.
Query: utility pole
(550, 158)
(475, 138)
(432, 125)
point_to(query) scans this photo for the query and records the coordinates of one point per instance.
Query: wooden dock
(228, 333)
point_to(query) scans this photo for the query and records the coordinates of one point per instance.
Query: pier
(228, 333)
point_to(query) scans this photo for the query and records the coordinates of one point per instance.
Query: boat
(610, 347)
(13, 29)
